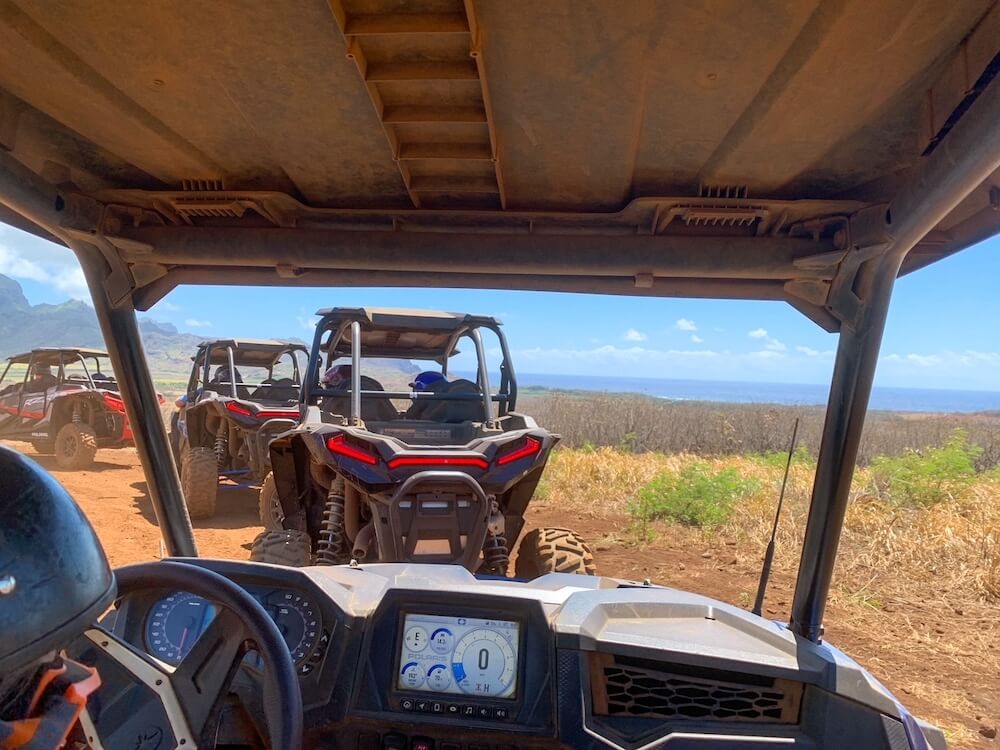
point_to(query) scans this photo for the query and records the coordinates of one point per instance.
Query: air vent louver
(624, 687)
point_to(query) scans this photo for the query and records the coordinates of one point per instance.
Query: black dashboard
(429, 657)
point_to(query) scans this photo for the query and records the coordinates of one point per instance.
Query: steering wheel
(192, 693)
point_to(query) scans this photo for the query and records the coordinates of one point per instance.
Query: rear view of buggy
(391, 463)
(65, 402)
(241, 393)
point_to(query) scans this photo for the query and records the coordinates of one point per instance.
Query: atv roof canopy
(52, 355)
(247, 352)
(399, 333)
(808, 153)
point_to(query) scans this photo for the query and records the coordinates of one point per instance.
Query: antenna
(765, 573)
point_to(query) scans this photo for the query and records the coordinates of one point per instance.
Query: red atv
(64, 401)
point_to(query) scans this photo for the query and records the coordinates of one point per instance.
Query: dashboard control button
(393, 741)
(437, 707)
(501, 712)
(423, 706)
(453, 709)
(421, 743)
(484, 712)
(468, 710)
(408, 704)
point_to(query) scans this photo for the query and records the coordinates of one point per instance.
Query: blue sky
(942, 330)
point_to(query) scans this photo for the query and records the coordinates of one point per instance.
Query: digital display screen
(459, 656)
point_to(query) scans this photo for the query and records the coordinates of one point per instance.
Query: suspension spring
(221, 447)
(333, 545)
(496, 556)
(76, 418)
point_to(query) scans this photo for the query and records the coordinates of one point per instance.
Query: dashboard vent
(622, 686)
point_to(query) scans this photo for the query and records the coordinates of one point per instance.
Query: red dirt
(114, 497)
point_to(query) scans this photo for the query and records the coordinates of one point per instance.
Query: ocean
(888, 399)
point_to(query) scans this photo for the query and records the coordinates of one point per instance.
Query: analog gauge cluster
(459, 655)
(176, 621)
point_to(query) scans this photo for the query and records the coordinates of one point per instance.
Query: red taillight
(114, 403)
(530, 448)
(479, 463)
(239, 409)
(341, 447)
(278, 414)
(159, 397)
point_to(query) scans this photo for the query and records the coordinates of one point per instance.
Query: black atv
(240, 394)
(442, 474)
(65, 402)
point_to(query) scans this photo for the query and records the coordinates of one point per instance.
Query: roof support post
(853, 374)
(121, 336)
(881, 238)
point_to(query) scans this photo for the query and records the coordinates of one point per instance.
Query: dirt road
(114, 497)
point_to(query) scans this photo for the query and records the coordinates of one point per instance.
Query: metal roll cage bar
(877, 240)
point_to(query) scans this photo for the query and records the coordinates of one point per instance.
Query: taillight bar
(263, 414)
(238, 409)
(338, 445)
(530, 448)
(475, 461)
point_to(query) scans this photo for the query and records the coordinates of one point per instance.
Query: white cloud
(306, 320)
(758, 333)
(60, 271)
(696, 339)
(195, 323)
(807, 351)
(633, 335)
(775, 346)
(167, 306)
(685, 324)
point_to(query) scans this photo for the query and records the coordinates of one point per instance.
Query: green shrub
(697, 495)
(927, 477)
(778, 459)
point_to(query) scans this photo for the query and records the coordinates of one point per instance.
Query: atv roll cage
(608, 148)
(235, 353)
(59, 358)
(399, 334)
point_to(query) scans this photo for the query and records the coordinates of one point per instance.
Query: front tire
(200, 481)
(75, 446)
(293, 549)
(550, 550)
(269, 505)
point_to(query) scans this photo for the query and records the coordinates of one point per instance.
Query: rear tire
(292, 549)
(269, 505)
(75, 446)
(200, 481)
(549, 550)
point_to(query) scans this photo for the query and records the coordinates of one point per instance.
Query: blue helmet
(425, 380)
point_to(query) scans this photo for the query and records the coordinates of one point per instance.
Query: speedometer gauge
(175, 623)
(484, 663)
(296, 619)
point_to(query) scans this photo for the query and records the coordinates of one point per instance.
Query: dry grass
(917, 584)
(640, 423)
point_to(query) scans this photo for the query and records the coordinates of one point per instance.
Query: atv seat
(372, 409)
(281, 390)
(450, 411)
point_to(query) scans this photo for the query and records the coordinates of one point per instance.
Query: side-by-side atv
(65, 402)
(240, 394)
(435, 469)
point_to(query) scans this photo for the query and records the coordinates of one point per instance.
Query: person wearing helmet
(338, 376)
(426, 381)
(54, 583)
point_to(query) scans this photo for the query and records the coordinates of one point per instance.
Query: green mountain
(24, 326)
